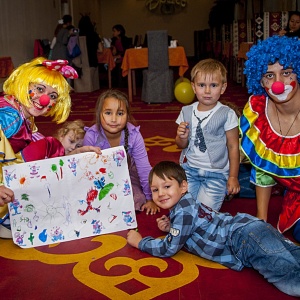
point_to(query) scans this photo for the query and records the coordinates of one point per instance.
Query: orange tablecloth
(138, 58)
(6, 66)
(106, 57)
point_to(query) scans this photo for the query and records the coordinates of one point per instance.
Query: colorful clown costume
(275, 158)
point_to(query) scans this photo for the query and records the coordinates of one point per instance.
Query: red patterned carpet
(105, 267)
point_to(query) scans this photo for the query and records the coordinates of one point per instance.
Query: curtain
(280, 5)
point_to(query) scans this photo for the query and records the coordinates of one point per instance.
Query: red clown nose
(44, 100)
(277, 87)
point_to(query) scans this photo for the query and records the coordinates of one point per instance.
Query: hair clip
(61, 65)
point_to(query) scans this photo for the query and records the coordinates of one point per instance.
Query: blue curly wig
(285, 50)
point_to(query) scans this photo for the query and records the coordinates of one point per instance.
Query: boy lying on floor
(235, 242)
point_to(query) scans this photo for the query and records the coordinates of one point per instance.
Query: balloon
(184, 93)
(181, 79)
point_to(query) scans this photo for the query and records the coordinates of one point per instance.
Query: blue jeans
(262, 247)
(207, 187)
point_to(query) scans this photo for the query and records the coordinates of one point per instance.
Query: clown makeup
(42, 98)
(276, 74)
(42, 94)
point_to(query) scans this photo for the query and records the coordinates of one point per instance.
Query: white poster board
(70, 197)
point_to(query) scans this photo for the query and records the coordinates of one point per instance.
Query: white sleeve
(180, 118)
(232, 120)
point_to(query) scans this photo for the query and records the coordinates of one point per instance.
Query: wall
(90, 7)
(136, 19)
(24, 21)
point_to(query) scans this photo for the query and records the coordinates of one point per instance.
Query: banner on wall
(70, 197)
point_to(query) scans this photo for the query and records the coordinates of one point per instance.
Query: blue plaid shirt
(201, 230)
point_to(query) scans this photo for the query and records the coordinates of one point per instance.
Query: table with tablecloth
(106, 57)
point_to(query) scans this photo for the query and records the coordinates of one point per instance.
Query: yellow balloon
(184, 93)
(181, 79)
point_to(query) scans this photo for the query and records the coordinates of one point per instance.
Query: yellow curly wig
(18, 82)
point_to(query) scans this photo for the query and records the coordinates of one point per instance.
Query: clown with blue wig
(270, 126)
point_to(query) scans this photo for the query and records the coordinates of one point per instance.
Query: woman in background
(59, 50)
(119, 43)
(293, 28)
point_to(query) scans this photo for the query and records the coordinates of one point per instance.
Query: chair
(89, 79)
(158, 79)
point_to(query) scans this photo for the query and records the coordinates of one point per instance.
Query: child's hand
(163, 223)
(150, 207)
(233, 186)
(183, 130)
(6, 195)
(85, 149)
(133, 238)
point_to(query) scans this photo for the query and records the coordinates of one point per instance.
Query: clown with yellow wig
(270, 126)
(36, 88)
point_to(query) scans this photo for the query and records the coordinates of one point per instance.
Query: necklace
(282, 136)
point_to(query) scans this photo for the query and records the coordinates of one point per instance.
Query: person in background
(53, 42)
(293, 28)
(119, 42)
(93, 41)
(270, 126)
(208, 134)
(59, 50)
(114, 128)
(235, 242)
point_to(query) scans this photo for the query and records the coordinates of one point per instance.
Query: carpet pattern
(105, 267)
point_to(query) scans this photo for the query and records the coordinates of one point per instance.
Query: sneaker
(5, 232)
